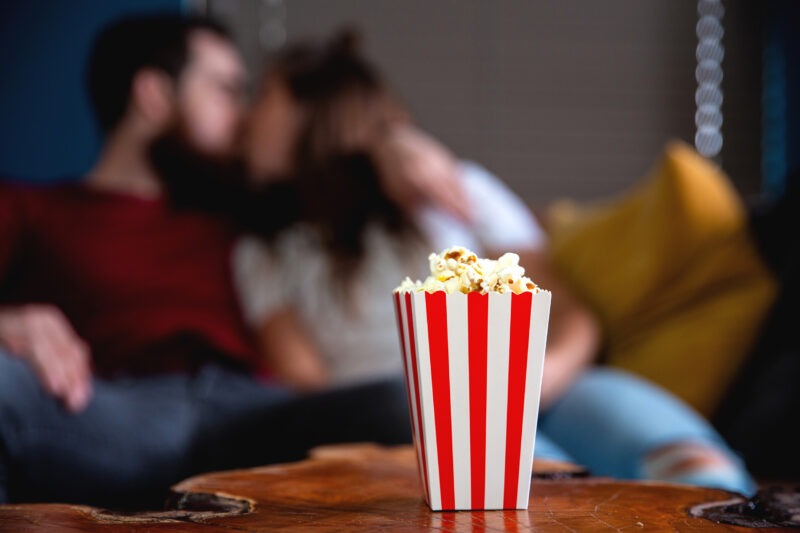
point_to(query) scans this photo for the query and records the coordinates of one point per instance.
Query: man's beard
(196, 180)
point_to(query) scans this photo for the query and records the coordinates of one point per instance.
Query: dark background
(569, 98)
(46, 128)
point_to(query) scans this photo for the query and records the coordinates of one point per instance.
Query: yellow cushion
(673, 274)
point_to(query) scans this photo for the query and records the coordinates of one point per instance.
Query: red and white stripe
(473, 365)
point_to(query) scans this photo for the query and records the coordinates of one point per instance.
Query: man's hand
(42, 336)
(415, 168)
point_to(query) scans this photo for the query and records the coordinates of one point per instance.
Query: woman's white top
(357, 336)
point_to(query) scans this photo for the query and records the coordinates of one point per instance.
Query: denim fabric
(3, 475)
(140, 435)
(609, 420)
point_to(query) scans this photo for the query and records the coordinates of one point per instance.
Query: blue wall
(47, 131)
(781, 95)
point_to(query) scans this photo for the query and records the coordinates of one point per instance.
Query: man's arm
(43, 337)
(415, 168)
(40, 334)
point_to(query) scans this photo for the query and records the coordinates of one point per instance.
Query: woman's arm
(289, 352)
(263, 284)
(574, 336)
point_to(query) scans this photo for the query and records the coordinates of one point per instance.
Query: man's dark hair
(126, 46)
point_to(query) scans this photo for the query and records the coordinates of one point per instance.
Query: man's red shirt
(148, 287)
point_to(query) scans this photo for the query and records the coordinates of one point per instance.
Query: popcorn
(445, 336)
(457, 269)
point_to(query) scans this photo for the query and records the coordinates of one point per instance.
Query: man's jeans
(140, 435)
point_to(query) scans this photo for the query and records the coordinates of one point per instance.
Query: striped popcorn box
(473, 365)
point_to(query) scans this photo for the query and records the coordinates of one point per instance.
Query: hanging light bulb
(708, 97)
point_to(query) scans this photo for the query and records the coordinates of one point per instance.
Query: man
(124, 362)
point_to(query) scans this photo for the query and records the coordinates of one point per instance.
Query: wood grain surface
(369, 488)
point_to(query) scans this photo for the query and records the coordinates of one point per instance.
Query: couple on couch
(126, 363)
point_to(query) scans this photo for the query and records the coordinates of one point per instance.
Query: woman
(319, 294)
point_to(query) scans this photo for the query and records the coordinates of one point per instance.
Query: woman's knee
(697, 463)
(628, 417)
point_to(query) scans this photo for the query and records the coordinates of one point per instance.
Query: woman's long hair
(346, 108)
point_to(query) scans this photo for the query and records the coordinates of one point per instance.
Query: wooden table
(367, 488)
